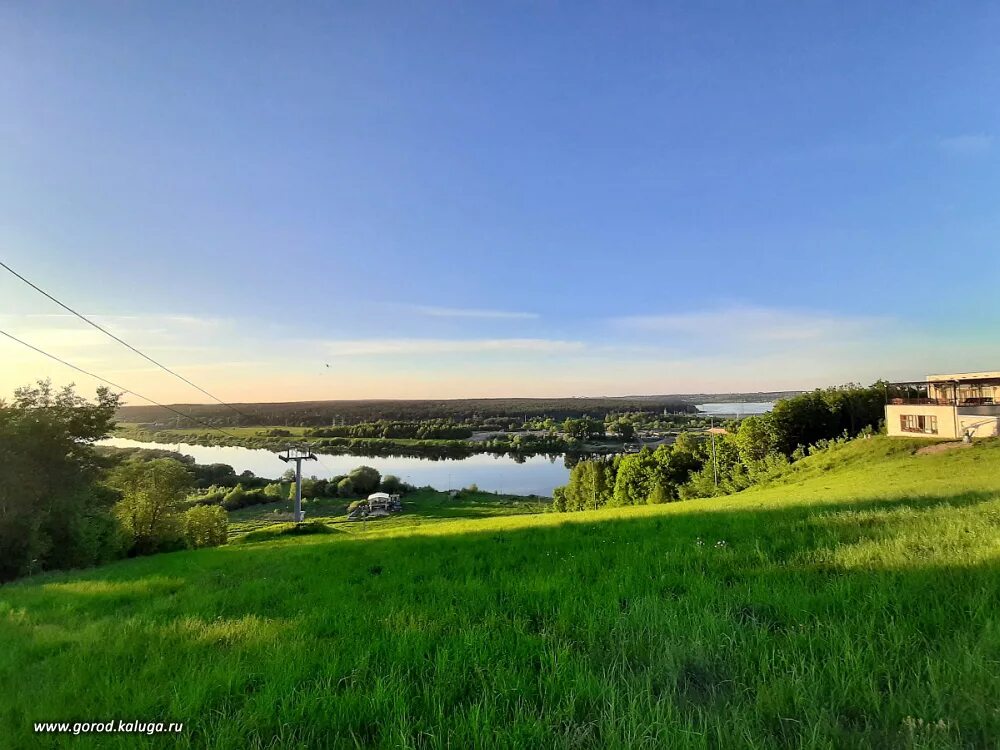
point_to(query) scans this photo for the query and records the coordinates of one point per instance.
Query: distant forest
(325, 413)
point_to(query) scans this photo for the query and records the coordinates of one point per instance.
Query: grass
(419, 508)
(851, 604)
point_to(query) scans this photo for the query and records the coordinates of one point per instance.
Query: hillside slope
(851, 604)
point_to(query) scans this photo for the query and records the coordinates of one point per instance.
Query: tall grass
(851, 604)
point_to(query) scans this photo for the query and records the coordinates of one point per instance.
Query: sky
(296, 201)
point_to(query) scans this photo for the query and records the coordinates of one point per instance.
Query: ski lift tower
(298, 456)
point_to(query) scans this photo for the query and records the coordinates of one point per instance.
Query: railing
(972, 401)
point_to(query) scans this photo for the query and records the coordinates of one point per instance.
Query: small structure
(378, 505)
(952, 406)
(384, 501)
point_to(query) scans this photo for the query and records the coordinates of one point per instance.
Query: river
(735, 408)
(538, 475)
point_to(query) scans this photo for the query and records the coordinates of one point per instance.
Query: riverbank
(514, 444)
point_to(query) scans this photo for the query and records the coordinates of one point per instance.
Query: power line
(121, 341)
(115, 385)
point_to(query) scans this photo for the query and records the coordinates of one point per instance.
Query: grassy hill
(851, 604)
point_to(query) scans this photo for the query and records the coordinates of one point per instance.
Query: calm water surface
(733, 408)
(536, 476)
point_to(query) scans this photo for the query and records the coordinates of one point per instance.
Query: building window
(918, 423)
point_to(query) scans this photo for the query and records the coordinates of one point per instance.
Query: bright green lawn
(853, 605)
(419, 508)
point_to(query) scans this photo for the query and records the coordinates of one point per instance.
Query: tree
(365, 480)
(53, 511)
(583, 428)
(276, 491)
(345, 487)
(392, 484)
(205, 526)
(755, 439)
(235, 498)
(623, 428)
(152, 499)
(634, 481)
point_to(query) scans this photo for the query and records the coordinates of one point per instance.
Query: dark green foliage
(486, 413)
(583, 428)
(365, 480)
(290, 529)
(430, 429)
(391, 484)
(53, 514)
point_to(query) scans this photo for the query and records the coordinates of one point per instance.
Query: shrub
(205, 526)
(241, 498)
(288, 529)
(152, 498)
(392, 484)
(365, 479)
(345, 487)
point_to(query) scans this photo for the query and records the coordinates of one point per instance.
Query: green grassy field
(852, 604)
(419, 508)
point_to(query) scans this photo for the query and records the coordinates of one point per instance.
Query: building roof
(991, 375)
(379, 496)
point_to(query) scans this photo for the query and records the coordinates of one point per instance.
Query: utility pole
(298, 456)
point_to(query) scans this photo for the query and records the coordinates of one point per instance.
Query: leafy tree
(235, 498)
(583, 428)
(205, 526)
(53, 512)
(276, 491)
(152, 499)
(756, 439)
(365, 480)
(634, 481)
(222, 475)
(345, 488)
(623, 428)
(392, 484)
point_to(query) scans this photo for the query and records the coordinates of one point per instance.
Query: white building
(948, 406)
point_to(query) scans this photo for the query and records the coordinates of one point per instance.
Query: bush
(152, 499)
(205, 526)
(241, 498)
(288, 529)
(276, 491)
(365, 479)
(345, 487)
(392, 484)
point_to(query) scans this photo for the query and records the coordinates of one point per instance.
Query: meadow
(851, 603)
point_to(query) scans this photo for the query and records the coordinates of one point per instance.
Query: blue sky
(460, 199)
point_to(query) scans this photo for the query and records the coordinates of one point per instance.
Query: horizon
(416, 203)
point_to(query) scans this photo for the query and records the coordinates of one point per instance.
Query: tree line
(757, 449)
(478, 412)
(431, 429)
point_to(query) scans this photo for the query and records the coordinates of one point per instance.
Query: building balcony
(960, 402)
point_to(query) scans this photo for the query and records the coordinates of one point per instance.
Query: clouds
(727, 347)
